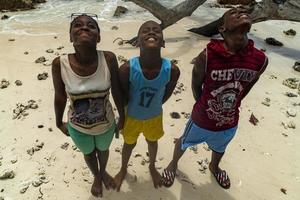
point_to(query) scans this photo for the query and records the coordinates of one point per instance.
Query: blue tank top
(145, 96)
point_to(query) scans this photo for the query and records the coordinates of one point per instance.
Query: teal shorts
(88, 143)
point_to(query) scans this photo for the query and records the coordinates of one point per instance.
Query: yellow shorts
(151, 128)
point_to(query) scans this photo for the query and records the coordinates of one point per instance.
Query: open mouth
(151, 39)
(243, 15)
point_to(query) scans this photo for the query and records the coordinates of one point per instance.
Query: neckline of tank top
(89, 76)
(160, 72)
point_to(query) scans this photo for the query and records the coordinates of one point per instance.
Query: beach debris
(283, 190)
(4, 83)
(11, 39)
(290, 32)
(40, 59)
(120, 10)
(174, 61)
(14, 160)
(18, 83)
(4, 17)
(291, 113)
(137, 155)
(203, 165)
(144, 161)
(291, 82)
(114, 28)
(40, 126)
(65, 146)
(186, 115)
(24, 187)
(290, 124)
(253, 120)
(266, 101)
(284, 134)
(7, 174)
(296, 66)
(122, 59)
(49, 51)
(20, 110)
(273, 41)
(50, 129)
(118, 150)
(273, 77)
(26, 52)
(47, 63)
(121, 42)
(290, 94)
(60, 47)
(194, 149)
(175, 115)
(263, 49)
(55, 37)
(179, 88)
(37, 147)
(42, 76)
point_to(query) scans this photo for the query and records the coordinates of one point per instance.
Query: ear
(99, 38)
(221, 29)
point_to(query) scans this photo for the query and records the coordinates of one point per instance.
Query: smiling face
(150, 36)
(235, 19)
(84, 31)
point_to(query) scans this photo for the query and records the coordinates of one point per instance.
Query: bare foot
(156, 177)
(108, 181)
(96, 189)
(119, 178)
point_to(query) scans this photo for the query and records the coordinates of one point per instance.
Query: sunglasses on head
(75, 15)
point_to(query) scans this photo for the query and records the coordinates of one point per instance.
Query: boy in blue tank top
(147, 82)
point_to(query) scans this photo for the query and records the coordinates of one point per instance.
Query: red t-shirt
(227, 77)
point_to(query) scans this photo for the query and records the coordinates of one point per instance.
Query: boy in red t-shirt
(223, 74)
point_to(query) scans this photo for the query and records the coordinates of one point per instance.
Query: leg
(105, 177)
(220, 175)
(126, 153)
(92, 163)
(152, 149)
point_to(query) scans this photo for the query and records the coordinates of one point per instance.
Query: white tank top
(90, 111)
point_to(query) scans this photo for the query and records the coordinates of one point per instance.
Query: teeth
(151, 39)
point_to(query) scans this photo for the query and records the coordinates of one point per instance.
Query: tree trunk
(165, 15)
(262, 11)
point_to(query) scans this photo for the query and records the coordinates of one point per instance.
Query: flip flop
(167, 178)
(222, 178)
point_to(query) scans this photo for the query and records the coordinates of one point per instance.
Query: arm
(175, 73)
(198, 74)
(124, 72)
(116, 86)
(60, 96)
(245, 92)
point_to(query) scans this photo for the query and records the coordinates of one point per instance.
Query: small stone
(65, 146)
(49, 51)
(291, 83)
(26, 52)
(50, 129)
(114, 28)
(290, 32)
(24, 188)
(42, 76)
(40, 126)
(40, 59)
(291, 124)
(4, 84)
(266, 102)
(291, 113)
(2, 190)
(18, 83)
(60, 47)
(285, 135)
(11, 39)
(273, 41)
(290, 94)
(296, 66)
(143, 162)
(4, 17)
(175, 115)
(55, 37)
(118, 149)
(283, 190)
(13, 161)
(137, 155)
(120, 10)
(253, 120)
(7, 174)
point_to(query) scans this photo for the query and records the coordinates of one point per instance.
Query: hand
(64, 129)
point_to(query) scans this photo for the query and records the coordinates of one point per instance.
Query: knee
(91, 155)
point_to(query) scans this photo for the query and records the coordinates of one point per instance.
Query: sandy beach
(262, 161)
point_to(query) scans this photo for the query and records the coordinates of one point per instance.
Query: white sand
(268, 163)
